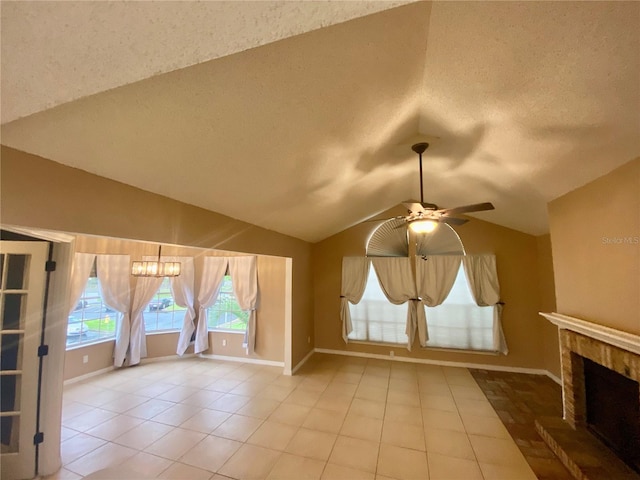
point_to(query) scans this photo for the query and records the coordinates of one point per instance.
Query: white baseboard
(257, 361)
(146, 360)
(80, 378)
(272, 363)
(303, 361)
(481, 366)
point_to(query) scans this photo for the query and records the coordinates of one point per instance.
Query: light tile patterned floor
(340, 418)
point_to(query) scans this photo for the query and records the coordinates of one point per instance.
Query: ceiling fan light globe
(423, 226)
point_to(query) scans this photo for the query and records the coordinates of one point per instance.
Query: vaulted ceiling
(299, 116)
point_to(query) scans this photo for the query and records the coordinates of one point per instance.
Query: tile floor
(519, 399)
(338, 418)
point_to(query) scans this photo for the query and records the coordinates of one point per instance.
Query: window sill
(219, 330)
(160, 332)
(434, 349)
(461, 350)
(379, 344)
(77, 346)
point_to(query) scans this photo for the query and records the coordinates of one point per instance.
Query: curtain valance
(435, 276)
(432, 283)
(245, 288)
(398, 285)
(482, 276)
(243, 271)
(113, 280)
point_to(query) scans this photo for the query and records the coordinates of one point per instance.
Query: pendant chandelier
(155, 268)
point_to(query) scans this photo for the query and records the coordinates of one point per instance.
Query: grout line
(332, 379)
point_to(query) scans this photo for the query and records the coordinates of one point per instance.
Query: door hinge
(50, 266)
(38, 438)
(43, 350)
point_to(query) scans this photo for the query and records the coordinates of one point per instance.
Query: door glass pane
(10, 428)
(16, 272)
(10, 352)
(10, 395)
(12, 311)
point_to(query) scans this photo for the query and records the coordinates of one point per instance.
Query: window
(91, 320)
(226, 314)
(458, 323)
(375, 319)
(162, 313)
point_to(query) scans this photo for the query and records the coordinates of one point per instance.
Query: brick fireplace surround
(613, 349)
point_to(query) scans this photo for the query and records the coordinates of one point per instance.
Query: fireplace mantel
(625, 341)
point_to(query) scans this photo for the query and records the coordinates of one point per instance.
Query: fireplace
(613, 411)
(601, 399)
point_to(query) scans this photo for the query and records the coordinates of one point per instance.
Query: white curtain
(113, 280)
(355, 271)
(245, 288)
(482, 276)
(435, 276)
(146, 288)
(397, 283)
(213, 272)
(80, 271)
(182, 290)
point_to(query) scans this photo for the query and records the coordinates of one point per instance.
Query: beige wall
(99, 356)
(39, 193)
(548, 331)
(517, 263)
(595, 236)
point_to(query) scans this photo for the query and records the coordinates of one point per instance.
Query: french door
(22, 287)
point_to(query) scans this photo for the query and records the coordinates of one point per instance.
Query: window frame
(487, 312)
(104, 309)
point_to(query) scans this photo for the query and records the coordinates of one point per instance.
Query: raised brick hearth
(617, 351)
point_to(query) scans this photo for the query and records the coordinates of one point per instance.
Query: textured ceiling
(56, 52)
(309, 133)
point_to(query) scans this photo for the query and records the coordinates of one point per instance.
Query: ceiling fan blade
(476, 207)
(453, 220)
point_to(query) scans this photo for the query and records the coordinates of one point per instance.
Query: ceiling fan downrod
(419, 148)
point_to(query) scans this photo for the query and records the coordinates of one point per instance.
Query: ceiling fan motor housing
(419, 148)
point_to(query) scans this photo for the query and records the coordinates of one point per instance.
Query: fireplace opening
(613, 411)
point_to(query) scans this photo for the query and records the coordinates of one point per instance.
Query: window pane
(11, 351)
(13, 313)
(91, 319)
(17, 268)
(460, 323)
(10, 433)
(226, 314)
(162, 313)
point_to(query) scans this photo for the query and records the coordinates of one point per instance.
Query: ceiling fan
(424, 217)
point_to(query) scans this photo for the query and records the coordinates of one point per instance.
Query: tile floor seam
(475, 455)
(325, 382)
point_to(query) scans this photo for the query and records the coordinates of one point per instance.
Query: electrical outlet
(392, 353)
(224, 342)
(85, 359)
(308, 339)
